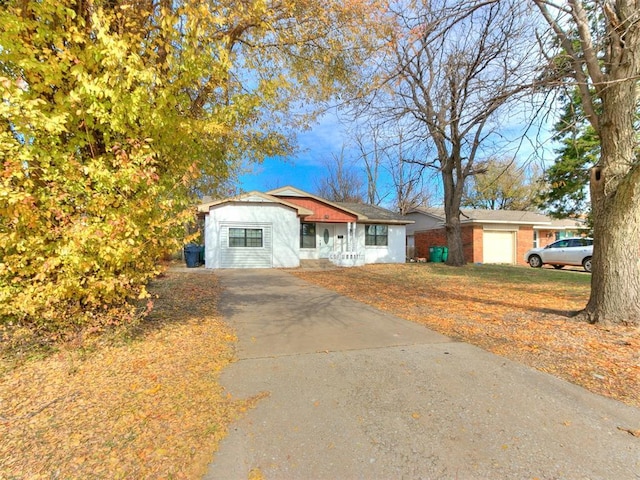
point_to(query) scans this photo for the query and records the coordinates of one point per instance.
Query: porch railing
(347, 259)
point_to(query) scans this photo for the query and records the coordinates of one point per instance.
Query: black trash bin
(192, 255)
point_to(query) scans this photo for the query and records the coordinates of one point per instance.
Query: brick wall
(428, 238)
(472, 242)
(524, 242)
(545, 237)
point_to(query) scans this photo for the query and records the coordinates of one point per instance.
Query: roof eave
(303, 194)
(388, 222)
(432, 215)
(560, 227)
(501, 222)
(206, 207)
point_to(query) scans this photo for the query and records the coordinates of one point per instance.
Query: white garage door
(498, 246)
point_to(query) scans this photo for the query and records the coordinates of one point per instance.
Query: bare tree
(407, 179)
(455, 66)
(597, 46)
(342, 182)
(390, 167)
(504, 186)
(370, 154)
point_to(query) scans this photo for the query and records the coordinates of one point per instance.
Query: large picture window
(376, 235)
(245, 237)
(307, 235)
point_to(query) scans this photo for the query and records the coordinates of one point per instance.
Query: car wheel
(586, 263)
(558, 267)
(535, 261)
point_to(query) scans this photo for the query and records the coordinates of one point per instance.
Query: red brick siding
(322, 211)
(471, 242)
(472, 236)
(524, 242)
(428, 238)
(545, 237)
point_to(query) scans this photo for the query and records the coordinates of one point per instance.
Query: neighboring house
(489, 236)
(283, 226)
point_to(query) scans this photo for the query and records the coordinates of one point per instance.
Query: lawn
(144, 404)
(517, 312)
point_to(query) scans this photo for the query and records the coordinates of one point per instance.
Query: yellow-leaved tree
(111, 112)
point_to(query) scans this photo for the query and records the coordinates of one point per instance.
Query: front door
(326, 240)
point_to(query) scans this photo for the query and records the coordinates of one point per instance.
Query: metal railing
(347, 259)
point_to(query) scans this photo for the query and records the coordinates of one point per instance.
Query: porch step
(320, 264)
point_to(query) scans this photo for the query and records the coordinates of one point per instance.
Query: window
(245, 237)
(560, 244)
(376, 235)
(581, 242)
(307, 235)
(535, 239)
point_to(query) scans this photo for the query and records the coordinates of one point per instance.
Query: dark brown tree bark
(602, 53)
(615, 200)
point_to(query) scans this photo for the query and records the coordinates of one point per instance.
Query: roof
(253, 197)
(364, 212)
(294, 198)
(375, 214)
(520, 217)
(290, 191)
(568, 223)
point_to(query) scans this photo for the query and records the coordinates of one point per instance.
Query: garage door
(247, 245)
(498, 246)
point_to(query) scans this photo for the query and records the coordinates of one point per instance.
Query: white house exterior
(282, 227)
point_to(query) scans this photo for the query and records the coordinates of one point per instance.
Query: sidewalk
(359, 394)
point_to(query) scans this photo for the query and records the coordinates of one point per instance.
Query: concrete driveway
(355, 393)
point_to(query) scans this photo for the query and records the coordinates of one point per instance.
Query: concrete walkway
(359, 394)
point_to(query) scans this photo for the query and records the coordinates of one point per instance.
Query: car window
(560, 244)
(581, 242)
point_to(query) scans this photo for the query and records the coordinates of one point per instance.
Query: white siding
(312, 253)
(394, 252)
(246, 257)
(422, 222)
(339, 244)
(281, 243)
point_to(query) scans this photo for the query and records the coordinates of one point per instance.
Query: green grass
(509, 274)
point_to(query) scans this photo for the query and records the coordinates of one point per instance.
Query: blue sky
(304, 169)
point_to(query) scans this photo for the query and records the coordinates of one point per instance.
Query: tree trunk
(615, 200)
(453, 231)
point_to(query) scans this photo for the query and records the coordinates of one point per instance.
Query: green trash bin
(435, 254)
(445, 254)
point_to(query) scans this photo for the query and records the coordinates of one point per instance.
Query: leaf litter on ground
(151, 407)
(519, 313)
(148, 406)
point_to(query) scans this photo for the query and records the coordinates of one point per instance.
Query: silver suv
(568, 251)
